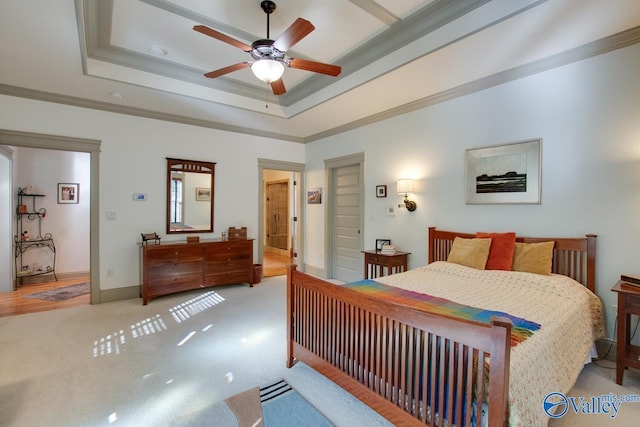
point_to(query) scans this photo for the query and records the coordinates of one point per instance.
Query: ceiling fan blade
(316, 67)
(222, 37)
(278, 87)
(228, 69)
(292, 35)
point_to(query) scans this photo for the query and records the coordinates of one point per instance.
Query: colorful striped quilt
(521, 330)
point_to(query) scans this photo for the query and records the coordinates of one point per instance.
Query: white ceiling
(396, 55)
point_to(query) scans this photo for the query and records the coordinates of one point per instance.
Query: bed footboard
(412, 367)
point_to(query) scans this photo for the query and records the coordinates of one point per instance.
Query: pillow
(533, 257)
(501, 251)
(470, 252)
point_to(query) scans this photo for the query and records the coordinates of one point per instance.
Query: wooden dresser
(180, 266)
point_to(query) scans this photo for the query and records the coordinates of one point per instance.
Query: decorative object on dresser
(237, 233)
(29, 236)
(150, 237)
(171, 267)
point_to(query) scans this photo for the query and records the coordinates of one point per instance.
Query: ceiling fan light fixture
(267, 70)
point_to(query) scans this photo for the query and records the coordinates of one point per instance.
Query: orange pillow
(501, 251)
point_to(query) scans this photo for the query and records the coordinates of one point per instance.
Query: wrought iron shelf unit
(27, 213)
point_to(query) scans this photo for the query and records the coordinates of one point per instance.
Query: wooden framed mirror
(190, 196)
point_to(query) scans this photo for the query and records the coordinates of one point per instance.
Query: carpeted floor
(174, 361)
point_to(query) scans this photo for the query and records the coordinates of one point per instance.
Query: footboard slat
(411, 366)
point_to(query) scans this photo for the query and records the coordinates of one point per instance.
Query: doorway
(69, 144)
(277, 216)
(280, 219)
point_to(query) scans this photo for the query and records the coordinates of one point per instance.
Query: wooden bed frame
(411, 366)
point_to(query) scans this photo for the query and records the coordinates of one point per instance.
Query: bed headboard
(573, 257)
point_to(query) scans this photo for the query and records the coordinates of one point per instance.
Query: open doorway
(279, 237)
(278, 216)
(58, 209)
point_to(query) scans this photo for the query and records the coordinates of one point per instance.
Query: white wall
(132, 160)
(588, 115)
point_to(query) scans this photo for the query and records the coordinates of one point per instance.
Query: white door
(346, 189)
(6, 197)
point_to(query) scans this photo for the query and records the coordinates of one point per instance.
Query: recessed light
(158, 51)
(116, 95)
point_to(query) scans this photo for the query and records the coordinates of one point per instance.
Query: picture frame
(203, 194)
(68, 193)
(314, 196)
(380, 243)
(504, 174)
(381, 191)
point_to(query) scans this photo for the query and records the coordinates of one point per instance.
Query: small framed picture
(68, 193)
(314, 196)
(381, 242)
(381, 191)
(203, 194)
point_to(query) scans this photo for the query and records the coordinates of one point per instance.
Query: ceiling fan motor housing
(264, 49)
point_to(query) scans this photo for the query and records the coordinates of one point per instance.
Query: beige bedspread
(550, 360)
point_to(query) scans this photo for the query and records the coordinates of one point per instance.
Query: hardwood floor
(14, 303)
(274, 264)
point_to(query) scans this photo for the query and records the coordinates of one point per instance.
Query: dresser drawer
(178, 253)
(174, 272)
(227, 278)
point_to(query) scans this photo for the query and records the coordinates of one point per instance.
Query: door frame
(281, 166)
(329, 166)
(66, 143)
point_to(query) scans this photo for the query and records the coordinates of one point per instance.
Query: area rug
(276, 404)
(61, 294)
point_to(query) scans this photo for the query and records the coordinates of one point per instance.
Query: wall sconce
(405, 186)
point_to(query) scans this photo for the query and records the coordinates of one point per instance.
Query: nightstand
(376, 261)
(627, 355)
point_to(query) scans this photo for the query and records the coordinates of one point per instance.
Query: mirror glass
(190, 190)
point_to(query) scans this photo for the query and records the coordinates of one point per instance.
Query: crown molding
(598, 47)
(139, 112)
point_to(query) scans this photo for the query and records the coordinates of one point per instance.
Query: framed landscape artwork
(509, 173)
(203, 194)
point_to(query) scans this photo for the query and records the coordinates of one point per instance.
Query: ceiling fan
(270, 55)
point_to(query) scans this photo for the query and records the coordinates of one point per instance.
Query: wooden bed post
(591, 262)
(431, 248)
(499, 372)
(291, 268)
